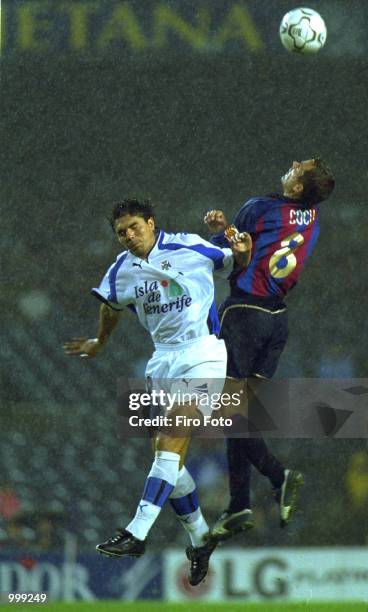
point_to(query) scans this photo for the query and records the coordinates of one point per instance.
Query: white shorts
(192, 370)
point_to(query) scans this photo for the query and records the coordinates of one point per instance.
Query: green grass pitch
(143, 606)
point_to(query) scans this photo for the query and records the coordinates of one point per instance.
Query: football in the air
(303, 30)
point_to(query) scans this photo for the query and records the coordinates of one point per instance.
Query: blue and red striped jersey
(284, 233)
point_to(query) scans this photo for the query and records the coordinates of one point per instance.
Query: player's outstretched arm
(241, 245)
(89, 347)
(215, 221)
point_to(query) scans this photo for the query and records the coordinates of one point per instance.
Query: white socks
(166, 480)
(159, 484)
(184, 501)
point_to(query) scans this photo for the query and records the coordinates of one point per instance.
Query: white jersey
(172, 291)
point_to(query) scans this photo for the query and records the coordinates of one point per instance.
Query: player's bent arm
(107, 322)
(89, 347)
(241, 246)
(242, 260)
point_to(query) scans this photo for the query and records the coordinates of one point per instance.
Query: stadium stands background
(193, 131)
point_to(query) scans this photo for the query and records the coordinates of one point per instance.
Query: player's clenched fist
(215, 221)
(241, 245)
(240, 242)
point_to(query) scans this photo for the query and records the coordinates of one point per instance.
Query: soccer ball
(303, 30)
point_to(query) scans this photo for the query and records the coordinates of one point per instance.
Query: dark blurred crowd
(334, 504)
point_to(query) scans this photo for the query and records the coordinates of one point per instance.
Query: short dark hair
(134, 207)
(318, 183)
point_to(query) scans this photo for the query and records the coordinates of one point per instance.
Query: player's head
(310, 181)
(133, 222)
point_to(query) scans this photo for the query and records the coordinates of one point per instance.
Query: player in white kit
(167, 279)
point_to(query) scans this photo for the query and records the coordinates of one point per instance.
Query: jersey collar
(301, 203)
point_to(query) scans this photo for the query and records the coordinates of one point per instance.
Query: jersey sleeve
(219, 240)
(228, 264)
(246, 218)
(106, 291)
(245, 221)
(222, 258)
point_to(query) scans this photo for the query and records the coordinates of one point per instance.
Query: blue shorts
(254, 337)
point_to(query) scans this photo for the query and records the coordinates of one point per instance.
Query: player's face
(291, 182)
(136, 234)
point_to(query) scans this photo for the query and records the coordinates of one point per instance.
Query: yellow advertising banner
(40, 27)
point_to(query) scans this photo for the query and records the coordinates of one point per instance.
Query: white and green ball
(303, 30)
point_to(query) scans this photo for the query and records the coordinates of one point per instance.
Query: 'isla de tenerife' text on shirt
(172, 292)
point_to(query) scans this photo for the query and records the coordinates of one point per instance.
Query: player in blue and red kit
(284, 229)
